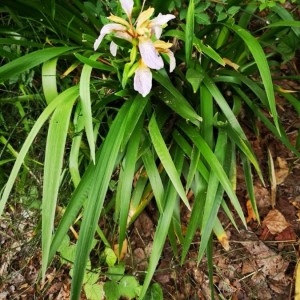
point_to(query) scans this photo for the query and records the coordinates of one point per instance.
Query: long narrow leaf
(55, 147)
(49, 80)
(126, 180)
(164, 221)
(263, 67)
(215, 165)
(30, 138)
(29, 61)
(85, 99)
(102, 175)
(165, 158)
(189, 32)
(175, 100)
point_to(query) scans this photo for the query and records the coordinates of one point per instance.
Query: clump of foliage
(180, 136)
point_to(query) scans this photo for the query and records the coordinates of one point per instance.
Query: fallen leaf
(282, 171)
(121, 254)
(250, 211)
(230, 63)
(275, 221)
(271, 264)
(287, 234)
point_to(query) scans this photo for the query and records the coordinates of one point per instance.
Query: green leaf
(85, 99)
(94, 64)
(166, 160)
(110, 257)
(116, 273)
(263, 67)
(103, 171)
(30, 138)
(189, 32)
(154, 292)
(30, 61)
(175, 100)
(194, 77)
(128, 287)
(215, 165)
(170, 200)
(94, 291)
(111, 290)
(55, 146)
(49, 80)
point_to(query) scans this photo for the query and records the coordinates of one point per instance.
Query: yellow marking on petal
(144, 16)
(118, 20)
(162, 45)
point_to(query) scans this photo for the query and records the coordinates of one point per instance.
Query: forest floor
(260, 263)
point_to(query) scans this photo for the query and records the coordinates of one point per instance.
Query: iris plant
(144, 35)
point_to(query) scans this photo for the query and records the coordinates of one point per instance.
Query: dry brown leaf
(266, 260)
(275, 221)
(287, 234)
(230, 63)
(120, 255)
(223, 239)
(282, 171)
(250, 212)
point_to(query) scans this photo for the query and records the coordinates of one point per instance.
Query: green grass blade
(49, 80)
(29, 140)
(175, 100)
(85, 99)
(210, 52)
(282, 137)
(286, 17)
(189, 32)
(30, 60)
(165, 158)
(201, 48)
(78, 123)
(214, 196)
(103, 170)
(76, 202)
(126, 179)
(187, 149)
(56, 139)
(170, 199)
(94, 64)
(215, 165)
(195, 158)
(236, 128)
(154, 177)
(263, 67)
(249, 183)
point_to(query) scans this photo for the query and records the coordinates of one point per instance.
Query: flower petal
(118, 20)
(106, 29)
(123, 35)
(144, 16)
(143, 80)
(158, 23)
(172, 61)
(113, 48)
(150, 55)
(159, 44)
(161, 19)
(127, 6)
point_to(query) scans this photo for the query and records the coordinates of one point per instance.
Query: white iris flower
(144, 34)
